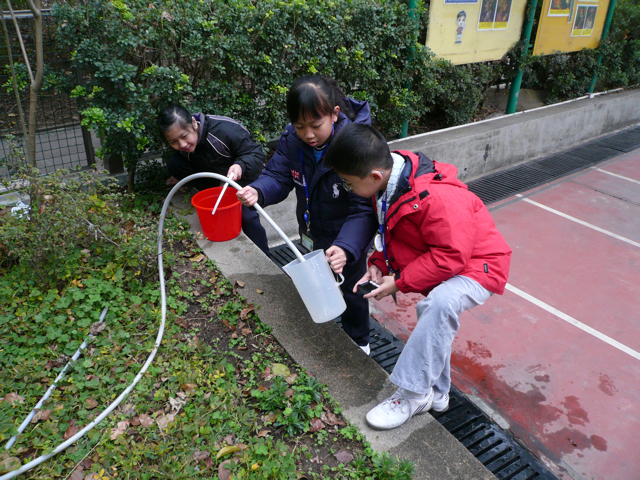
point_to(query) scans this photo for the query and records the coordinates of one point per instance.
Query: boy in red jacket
(435, 238)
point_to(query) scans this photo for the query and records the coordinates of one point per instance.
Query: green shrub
(238, 58)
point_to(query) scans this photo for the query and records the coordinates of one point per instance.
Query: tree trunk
(36, 84)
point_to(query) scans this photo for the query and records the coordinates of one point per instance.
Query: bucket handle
(342, 279)
(256, 206)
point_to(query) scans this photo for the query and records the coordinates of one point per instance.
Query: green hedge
(238, 58)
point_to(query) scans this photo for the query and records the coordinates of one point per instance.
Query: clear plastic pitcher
(317, 286)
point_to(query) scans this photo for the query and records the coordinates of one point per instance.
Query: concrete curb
(355, 380)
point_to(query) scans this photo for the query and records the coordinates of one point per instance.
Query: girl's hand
(235, 172)
(387, 287)
(172, 181)
(248, 196)
(336, 258)
(373, 273)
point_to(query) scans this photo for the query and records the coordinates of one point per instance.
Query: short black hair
(357, 149)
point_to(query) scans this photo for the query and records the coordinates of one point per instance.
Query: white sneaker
(397, 409)
(365, 348)
(440, 401)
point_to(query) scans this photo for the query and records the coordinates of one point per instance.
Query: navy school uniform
(223, 142)
(337, 217)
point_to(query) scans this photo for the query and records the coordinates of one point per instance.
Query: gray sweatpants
(425, 361)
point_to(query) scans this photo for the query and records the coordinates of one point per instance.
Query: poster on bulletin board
(469, 31)
(570, 25)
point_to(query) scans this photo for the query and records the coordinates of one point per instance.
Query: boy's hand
(235, 172)
(373, 273)
(387, 287)
(248, 196)
(337, 258)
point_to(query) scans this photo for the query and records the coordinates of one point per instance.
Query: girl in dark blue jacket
(329, 217)
(216, 144)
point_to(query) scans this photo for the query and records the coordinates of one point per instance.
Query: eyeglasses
(349, 188)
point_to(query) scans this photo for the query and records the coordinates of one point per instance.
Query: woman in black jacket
(216, 144)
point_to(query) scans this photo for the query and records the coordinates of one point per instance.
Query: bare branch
(24, 51)
(15, 80)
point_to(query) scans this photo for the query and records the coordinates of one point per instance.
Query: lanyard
(307, 218)
(382, 227)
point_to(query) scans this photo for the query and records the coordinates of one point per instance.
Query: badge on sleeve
(377, 242)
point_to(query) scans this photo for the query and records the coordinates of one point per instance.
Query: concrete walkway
(355, 380)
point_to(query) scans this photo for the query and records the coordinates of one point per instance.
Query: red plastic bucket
(227, 222)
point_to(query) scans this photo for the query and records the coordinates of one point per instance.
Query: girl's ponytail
(315, 96)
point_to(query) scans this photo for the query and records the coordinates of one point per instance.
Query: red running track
(557, 357)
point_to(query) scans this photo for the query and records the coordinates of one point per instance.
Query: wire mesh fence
(60, 139)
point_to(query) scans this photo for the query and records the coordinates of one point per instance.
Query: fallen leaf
(263, 433)
(246, 331)
(258, 291)
(199, 456)
(227, 450)
(97, 327)
(270, 417)
(12, 398)
(223, 472)
(176, 404)
(8, 464)
(181, 395)
(240, 284)
(197, 258)
(246, 311)
(209, 462)
(129, 226)
(241, 347)
(122, 427)
(163, 421)
(266, 373)
(135, 421)
(280, 369)
(188, 387)
(41, 415)
(291, 378)
(229, 439)
(288, 393)
(332, 419)
(90, 403)
(343, 456)
(145, 420)
(315, 460)
(71, 430)
(316, 425)
(78, 474)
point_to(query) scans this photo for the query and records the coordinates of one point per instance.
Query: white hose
(37, 461)
(26, 421)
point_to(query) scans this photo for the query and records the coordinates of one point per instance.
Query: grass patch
(222, 398)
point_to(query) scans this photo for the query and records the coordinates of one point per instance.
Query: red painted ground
(570, 396)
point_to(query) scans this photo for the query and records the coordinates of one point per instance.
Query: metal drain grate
(506, 183)
(496, 449)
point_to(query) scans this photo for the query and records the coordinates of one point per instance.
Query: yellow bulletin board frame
(566, 33)
(474, 41)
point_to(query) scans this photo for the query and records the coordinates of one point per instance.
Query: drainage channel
(510, 181)
(494, 448)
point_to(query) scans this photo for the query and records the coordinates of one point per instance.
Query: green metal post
(404, 131)
(526, 36)
(605, 32)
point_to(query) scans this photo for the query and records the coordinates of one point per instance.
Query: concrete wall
(482, 147)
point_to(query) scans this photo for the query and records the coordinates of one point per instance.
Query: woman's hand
(235, 172)
(336, 258)
(248, 196)
(373, 273)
